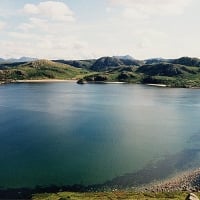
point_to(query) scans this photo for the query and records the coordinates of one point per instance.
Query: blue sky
(80, 29)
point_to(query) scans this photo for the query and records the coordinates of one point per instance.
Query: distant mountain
(156, 61)
(1, 60)
(132, 62)
(85, 64)
(187, 61)
(7, 65)
(127, 57)
(129, 60)
(15, 60)
(106, 63)
(103, 63)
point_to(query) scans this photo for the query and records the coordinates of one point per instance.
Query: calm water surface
(64, 133)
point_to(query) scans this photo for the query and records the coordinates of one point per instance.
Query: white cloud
(144, 8)
(50, 45)
(2, 25)
(52, 10)
(49, 30)
(31, 9)
(47, 33)
(40, 24)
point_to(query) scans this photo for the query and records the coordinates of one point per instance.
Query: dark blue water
(65, 133)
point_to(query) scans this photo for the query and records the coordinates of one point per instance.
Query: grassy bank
(177, 187)
(115, 195)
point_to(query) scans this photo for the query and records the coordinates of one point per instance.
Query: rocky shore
(187, 181)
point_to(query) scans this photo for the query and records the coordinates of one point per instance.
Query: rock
(81, 81)
(192, 196)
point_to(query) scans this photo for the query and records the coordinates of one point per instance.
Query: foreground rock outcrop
(192, 196)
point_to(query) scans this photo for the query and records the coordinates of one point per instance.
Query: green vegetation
(119, 74)
(106, 63)
(85, 64)
(182, 72)
(168, 72)
(40, 69)
(115, 195)
(173, 75)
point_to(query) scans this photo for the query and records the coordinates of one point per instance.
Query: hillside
(103, 63)
(117, 74)
(114, 195)
(173, 75)
(187, 61)
(85, 64)
(40, 69)
(106, 63)
(168, 69)
(181, 72)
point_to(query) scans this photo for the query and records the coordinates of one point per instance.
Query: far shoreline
(88, 82)
(64, 81)
(46, 81)
(157, 85)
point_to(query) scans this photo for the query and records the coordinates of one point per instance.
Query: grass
(42, 69)
(168, 74)
(115, 195)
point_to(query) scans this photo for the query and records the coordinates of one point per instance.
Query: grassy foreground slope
(40, 69)
(115, 195)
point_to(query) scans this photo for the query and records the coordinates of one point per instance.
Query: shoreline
(157, 85)
(188, 181)
(86, 82)
(46, 81)
(184, 181)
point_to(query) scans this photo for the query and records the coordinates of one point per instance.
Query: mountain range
(22, 59)
(180, 72)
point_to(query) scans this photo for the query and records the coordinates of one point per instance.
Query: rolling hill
(106, 63)
(181, 72)
(187, 61)
(40, 69)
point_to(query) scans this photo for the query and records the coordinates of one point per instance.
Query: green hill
(106, 63)
(167, 69)
(187, 61)
(40, 69)
(181, 72)
(85, 64)
(117, 74)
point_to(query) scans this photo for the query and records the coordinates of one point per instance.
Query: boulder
(191, 196)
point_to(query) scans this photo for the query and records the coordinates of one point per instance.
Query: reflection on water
(64, 133)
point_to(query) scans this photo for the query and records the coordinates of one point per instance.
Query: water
(65, 133)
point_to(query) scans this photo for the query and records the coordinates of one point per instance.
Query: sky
(83, 29)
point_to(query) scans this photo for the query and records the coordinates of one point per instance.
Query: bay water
(65, 133)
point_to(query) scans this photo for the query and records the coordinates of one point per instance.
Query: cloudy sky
(80, 29)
